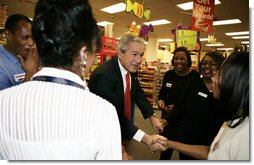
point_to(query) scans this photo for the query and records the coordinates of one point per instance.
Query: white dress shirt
(139, 134)
(51, 121)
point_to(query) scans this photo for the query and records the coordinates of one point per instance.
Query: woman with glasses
(197, 107)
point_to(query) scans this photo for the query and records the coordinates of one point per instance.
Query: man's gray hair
(126, 39)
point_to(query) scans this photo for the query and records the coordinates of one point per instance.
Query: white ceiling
(160, 9)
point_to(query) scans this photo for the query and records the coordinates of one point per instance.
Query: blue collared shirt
(11, 72)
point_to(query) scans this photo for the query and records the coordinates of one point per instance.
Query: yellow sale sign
(188, 39)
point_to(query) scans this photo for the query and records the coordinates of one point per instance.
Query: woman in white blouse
(231, 87)
(54, 116)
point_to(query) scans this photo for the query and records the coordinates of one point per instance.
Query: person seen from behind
(54, 116)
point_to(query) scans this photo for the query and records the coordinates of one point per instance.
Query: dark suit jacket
(106, 81)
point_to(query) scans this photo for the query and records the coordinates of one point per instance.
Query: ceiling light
(104, 23)
(245, 42)
(226, 49)
(114, 8)
(157, 22)
(237, 33)
(203, 39)
(241, 37)
(163, 46)
(226, 22)
(189, 5)
(165, 40)
(217, 44)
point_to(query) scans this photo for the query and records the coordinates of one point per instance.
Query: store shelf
(146, 78)
(162, 68)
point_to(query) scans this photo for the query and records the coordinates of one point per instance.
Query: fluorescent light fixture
(157, 22)
(189, 5)
(226, 22)
(245, 42)
(119, 7)
(165, 40)
(218, 44)
(163, 46)
(241, 37)
(104, 23)
(237, 33)
(203, 39)
(226, 49)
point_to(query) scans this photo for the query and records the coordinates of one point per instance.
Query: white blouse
(231, 143)
(50, 121)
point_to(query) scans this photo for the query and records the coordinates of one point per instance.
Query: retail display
(3, 17)
(146, 78)
(3, 14)
(150, 76)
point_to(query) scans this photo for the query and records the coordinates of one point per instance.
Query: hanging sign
(202, 15)
(138, 9)
(108, 48)
(187, 38)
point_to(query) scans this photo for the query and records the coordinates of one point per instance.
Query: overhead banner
(187, 38)
(202, 15)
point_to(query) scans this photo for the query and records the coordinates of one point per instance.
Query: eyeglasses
(206, 63)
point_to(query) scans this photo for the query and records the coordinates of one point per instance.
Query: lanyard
(57, 80)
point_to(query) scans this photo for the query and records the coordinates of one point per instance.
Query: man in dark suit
(108, 81)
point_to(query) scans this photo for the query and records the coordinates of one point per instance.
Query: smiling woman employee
(172, 85)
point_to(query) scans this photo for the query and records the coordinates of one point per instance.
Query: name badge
(19, 77)
(169, 85)
(202, 94)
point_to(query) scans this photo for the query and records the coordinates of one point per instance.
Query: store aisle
(139, 151)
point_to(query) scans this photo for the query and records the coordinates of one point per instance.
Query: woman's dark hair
(12, 22)
(234, 87)
(216, 56)
(188, 55)
(61, 28)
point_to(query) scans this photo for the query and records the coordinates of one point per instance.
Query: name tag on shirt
(169, 85)
(19, 77)
(202, 94)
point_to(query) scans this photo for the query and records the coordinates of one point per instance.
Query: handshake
(155, 143)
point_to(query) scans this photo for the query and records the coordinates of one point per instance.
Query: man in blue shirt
(18, 57)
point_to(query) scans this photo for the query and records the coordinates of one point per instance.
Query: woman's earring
(83, 60)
